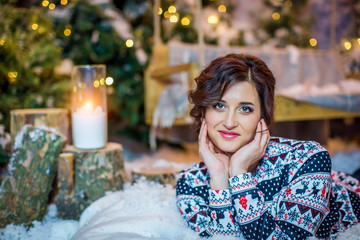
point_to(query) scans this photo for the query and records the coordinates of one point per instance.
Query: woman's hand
(217, 162)
(247, 157)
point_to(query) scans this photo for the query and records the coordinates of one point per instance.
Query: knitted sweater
(292, 195)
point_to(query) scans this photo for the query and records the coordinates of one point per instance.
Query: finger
(203, 134)
(212, 147)
(265, 135)
(258, 133)
(201, 131)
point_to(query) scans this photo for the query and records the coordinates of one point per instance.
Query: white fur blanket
(145, 210)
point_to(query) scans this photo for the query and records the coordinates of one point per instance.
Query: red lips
(229, 134)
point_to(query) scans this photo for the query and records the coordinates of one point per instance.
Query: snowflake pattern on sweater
(292, 195)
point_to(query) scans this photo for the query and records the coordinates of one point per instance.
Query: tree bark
(25, 191)
(95, 172)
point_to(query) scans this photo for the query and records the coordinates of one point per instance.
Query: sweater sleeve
(206, 211)
(297, 210)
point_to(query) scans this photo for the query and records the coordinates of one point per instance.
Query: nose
(230, 120)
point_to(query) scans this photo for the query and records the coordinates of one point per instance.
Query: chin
(229, 149)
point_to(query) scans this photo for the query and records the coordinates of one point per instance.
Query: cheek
(251, 125)
(211, 118)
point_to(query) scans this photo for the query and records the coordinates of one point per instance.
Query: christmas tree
(29, 56)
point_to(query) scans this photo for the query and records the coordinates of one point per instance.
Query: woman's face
(232, 121)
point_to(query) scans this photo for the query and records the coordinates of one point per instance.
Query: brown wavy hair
(221, 73)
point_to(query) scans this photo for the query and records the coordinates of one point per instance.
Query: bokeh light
(347, 45)
(102, 81)
(275, 16)
(52, 6)
(173, 19)
(34, 26)
(313, 42)
(172, 9)
(213, 19)
(185, 21)
(167, 14)
(45, 3)
(67, 32)
(129, 43)
(109, 81)
(222, 8)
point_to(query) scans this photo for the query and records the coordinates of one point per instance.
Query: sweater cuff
(219, 198)
(241, 183)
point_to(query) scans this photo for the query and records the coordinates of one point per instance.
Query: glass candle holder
(89, 107)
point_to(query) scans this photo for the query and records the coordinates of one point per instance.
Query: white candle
(89, 127)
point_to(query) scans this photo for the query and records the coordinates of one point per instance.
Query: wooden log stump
(162, 175)
(54, 118)
(25, 191)
(95, 172)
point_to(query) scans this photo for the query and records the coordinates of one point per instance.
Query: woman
(250, 185)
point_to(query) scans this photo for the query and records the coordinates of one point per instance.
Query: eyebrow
(240, 103)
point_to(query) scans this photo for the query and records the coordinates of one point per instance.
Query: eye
(246, 109)
(219, 106)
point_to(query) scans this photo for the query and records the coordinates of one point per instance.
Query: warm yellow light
(52, 6)
(160, 11)
(12, 77)
(63, 2)
(2, 42)
(172, 9)
(12, 74)
(34, 26)
(45, 3)
(167, 14)
(288, 3)
(129, 43)
(313, 42)
(213, 19)
(67, 32)
(96, 83)
(102, 81)
(185, 21)
(275, 16)
(173, 19)
(347, 45)
(109, 81)
(358, 41)
(88, 107)
(222, 8)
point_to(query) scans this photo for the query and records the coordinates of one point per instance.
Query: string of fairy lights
(174, 17)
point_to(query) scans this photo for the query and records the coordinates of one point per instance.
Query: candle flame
(88, 107)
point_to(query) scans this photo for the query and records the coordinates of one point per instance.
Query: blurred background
(41, 40)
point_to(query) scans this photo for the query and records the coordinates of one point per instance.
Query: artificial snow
(143, 210)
